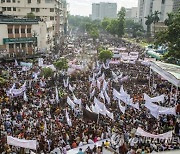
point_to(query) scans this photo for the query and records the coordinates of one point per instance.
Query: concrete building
(148, 7)
(176, 5)
(47, 11)
(102, 10)
(25, 35)
(132, 13)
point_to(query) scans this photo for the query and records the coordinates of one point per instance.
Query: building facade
(148, 7)
(102, 10)
(132, 14)
(25, 35)
(49, 12)
(176, 5)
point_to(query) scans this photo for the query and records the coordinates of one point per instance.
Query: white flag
(107, 97)
(66, 83)
(102, 95)
(92, 94)
(70, 102)
(122, 108)
(98, 84)
(16, 63)
(25, 97)
(71, 88)
(57, 95)
(77, 101)
(68, 119)
(105, 84)
(87, 108)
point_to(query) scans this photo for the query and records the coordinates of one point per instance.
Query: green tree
(148, 22)
(121, 22)
(156, 18)
(169, 20)
(105, 23)
(61, 64)
(171, 37)
(94, 34)
(47, 72)
(105, 54)
(112, 28)
(30, 15)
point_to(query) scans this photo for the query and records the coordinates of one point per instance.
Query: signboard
(19, 40)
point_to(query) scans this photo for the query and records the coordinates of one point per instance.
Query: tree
(171, 37)
(112, 28)
(105, 23)
(148, 22)
(105, 54)
(94, 34)
(121, 22)
(169, 20)
(156, 18)
(47, 72)
(61, 64)
(30, 15)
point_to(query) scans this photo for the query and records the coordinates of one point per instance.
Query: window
(30, 45)
(16, 30)
(28, 30)
(163, 1)
(37, 10)
(8, 8)
(22, 30)
(51, 9)
(32, 9)
(14, 9)
(38, 1)
(23, 45)
(51, 18)
(8, 1)
(29, 1)
(10, 31)
(3, 8)
(11, 46)
(14, 1)
(2, 1)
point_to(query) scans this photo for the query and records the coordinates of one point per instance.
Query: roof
(168, 71)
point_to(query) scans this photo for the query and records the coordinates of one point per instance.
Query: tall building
(102, 10)
(176, 5)
(49, 11)
(132, 14)
(148, 7)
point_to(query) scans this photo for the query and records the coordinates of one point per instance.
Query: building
(148, 7)
(176, 5)
(47, 11)
(102, 10)
(25, 35)
(132, 14)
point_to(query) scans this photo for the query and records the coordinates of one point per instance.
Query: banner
(40, 62)
(71, 88)
(154, 99)
(122, 108)
(26, 64)
(57, 95)
(70, 102)
(18, 92)
(77, 101)
(29, 144)
(98, 84)
(87, 108)
(105, 84)
(68, 119)
(141, 132)
(25, 97)
(66, 83)
(16, 63)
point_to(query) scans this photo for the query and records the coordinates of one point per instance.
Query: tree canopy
(61, 64)
(171, 37)
(105, 54)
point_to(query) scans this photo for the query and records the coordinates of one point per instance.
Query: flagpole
(98, 119)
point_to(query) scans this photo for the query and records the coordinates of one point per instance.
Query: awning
(169, 72)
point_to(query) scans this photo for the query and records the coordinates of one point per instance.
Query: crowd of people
(43, 118)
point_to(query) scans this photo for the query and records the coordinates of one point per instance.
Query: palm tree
(169, 20)
(148, 22)
(156, 18)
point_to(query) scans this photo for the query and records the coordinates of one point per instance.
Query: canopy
(169, 72)
(154, 54)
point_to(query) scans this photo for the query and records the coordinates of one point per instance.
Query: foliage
(148, 22)
(2, 81)
(105, 23)
(171, 37)
(105, 54)
(134, 28)
(112, 28)
(47, 72)
(121, 22)
(61, 64)
(94, 34)
(169, 20)
(30, 15)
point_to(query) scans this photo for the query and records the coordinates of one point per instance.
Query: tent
(154, 54)
(169, 72)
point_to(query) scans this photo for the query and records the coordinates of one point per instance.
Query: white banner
(71, 88)
(29, 144)
(77, 101)
(122, 108)
(66, 83)
(141, 132)
(70, 102)
(154, 99)
(105, 84)
(68, 119)
(57, 95)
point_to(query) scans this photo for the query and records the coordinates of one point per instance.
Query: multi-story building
(48, 11)
(132, 14)
(25, 35)
(148, 7)
(176, 5)
(102, 10)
